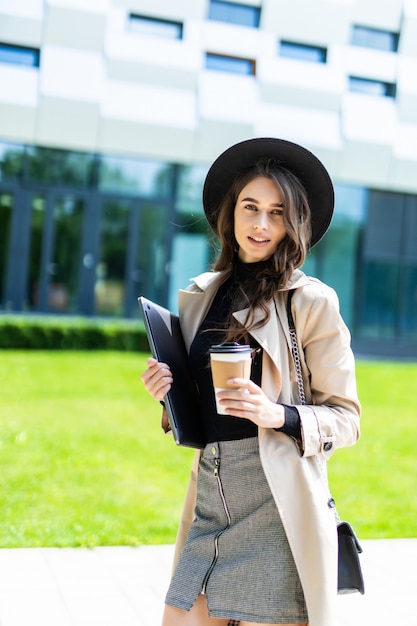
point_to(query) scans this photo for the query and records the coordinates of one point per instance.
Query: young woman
(257, 542)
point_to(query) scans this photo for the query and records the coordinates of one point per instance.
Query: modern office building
(112, 110)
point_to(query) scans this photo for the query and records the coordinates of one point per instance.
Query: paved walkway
(126, 586)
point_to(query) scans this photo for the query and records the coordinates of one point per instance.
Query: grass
(84, 462)
(82, 458)
(374, 483)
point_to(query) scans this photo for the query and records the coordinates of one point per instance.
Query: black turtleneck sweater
(211, 332)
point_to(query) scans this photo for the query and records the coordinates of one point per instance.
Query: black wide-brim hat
(303, 163)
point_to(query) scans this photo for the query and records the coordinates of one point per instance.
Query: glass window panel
(60, 166)
(134, 176)
(35, 252)
(11, 161)
(302, 52)
(64, 269)
(351, 202)
(234, 13)
(383, 239)
(155, 27)
(409, 244)
(374, 38)
(371, 87)
(379, 300)
(19, 55)
(190, 189)
(111, 268)
(233, 65)
(190, 257)
(408, 319)
(335, 259)
(151, 254)
(6, 207)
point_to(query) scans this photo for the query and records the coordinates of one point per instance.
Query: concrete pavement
(124, 586)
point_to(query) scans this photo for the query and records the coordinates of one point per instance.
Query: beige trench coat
(330, 420)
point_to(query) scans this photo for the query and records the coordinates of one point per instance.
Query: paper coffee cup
(229, 360)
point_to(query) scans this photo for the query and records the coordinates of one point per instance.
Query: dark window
(6, 209)
(155, 27)
(302, 52)
(135, 176)
(233, 13)
(48, 165)
(389, 266)
(19, 55)
(371, 87)
(374, 38)
(11, 161)
(234, 65)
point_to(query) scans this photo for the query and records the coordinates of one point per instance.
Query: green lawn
(83, 460)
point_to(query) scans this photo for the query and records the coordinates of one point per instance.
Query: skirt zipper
(216, 539)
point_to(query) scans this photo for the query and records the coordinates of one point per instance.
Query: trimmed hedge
(53, 333)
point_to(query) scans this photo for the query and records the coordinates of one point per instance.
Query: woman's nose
(261, 221)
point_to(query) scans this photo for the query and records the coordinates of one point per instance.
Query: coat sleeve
(330, 419)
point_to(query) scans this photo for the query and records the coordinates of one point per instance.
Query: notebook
(167, 345)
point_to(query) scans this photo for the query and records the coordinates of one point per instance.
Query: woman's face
(259, 221)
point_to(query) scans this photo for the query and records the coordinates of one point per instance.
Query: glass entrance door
(133, 256)
(151, 265)
(56, 229)
(6, 209)
(110, 286)
(69, 253)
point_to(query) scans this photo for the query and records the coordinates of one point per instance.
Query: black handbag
(350, 578)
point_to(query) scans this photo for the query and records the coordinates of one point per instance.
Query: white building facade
(112, 110)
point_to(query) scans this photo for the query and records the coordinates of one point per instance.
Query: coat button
(327, 446)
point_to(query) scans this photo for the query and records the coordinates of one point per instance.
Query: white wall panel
(62, 122)
(69, 28)
(230, 39)
(21, 30)
(149, 103)
(72, 74)
(227, 97)
(407, 75)
(32, 9)
(407, 89)
(122, 44)
(369, 118)
(168, 9)
(17, 123)
(373, 64)
(321, 128)
(383, 14)
(307, 21)
(365, 163)
(405, 143)
(309, 76)
(19, 85)
(90, 6)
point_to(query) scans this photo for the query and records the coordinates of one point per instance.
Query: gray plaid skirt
(237, 552)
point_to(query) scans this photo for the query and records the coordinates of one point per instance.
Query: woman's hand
(157, 379)
(249, 401)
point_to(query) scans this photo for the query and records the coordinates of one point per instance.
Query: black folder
(167, 345)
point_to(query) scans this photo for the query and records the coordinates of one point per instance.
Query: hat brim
(305, 165)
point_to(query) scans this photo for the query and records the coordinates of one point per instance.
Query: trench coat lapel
(269, 336)
(195, 302)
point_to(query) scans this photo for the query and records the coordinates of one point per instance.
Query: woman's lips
(258, 241)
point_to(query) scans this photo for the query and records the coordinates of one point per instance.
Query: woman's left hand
(248, 400)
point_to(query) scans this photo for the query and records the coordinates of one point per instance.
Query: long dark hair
(257, 291)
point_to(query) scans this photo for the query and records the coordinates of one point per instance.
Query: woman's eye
(278, 212)
(251, 207)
